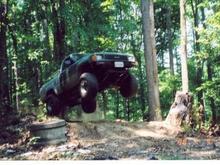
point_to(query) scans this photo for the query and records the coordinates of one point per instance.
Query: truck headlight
(131, 59)
(98, 57)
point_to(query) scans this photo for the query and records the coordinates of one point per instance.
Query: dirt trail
(119, 141)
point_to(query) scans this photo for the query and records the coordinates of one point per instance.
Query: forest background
(36, 35)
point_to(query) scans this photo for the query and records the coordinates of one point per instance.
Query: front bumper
(114, 64)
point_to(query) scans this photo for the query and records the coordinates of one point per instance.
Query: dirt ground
(116, 140)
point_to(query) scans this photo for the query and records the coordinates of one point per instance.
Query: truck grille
(116, 57)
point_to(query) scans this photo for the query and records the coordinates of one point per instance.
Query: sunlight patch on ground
(147, 133)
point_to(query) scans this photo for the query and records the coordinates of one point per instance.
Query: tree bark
(46, 43)
(169, 36)
(209, 72)
(117, 113)
(105, 103)
(180, 110)
(15, 70)
(210, 77)
(59, 29)
(183, 50)
(199, 63)
(212, 101)
(140, 75)
(141, 90)
(4, 86)
(127, 109)
(37, 82)
(150, 59)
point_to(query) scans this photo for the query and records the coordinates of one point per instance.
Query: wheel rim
(50, 106)
(83, 87)
(49, 109)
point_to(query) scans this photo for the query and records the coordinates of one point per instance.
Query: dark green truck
(81, 76)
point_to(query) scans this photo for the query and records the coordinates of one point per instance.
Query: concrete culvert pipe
(48, 133)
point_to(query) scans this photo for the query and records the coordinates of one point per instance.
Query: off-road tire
(129, 86)
(89, 106)
(53, 105)
(88, 87)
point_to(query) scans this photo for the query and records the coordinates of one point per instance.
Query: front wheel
(129, 86)
(88, 86)
(53, 105)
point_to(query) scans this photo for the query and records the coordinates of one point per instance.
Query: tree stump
(181, 110)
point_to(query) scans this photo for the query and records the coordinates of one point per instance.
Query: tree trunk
(59, 29)
(150, 59)
(212, 101)
(140, 75)
(35, 81)
(127, 109)
(141, 90)
(4, 87)
(169, 37)
(16, 86)
(15, 71)
(117, 115)
(180, 110)
(105, 103)
(199, 63)
(209, 72)
(47, 49)
(183, 50)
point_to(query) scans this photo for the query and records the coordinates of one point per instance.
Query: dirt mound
(117, 141)
(98, 130)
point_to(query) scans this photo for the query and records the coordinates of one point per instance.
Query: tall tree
(183, 50)
(4, 88)
(150, 59)
(59, 30)
(210, 77)
(210, 63)
(169, 37)
(199, 63)
(14, 76)
(140, 75)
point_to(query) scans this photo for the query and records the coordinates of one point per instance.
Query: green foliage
(40, 113)
(169, 84)
(210, 54)
(161, 12)
(186, 128)
(91, 26)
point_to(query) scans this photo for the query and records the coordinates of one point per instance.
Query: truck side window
(66, 63)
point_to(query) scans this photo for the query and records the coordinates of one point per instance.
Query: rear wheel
(53, 105)
(129, 86)
(89, 106)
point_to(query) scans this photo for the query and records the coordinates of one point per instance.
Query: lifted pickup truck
(81, 76)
